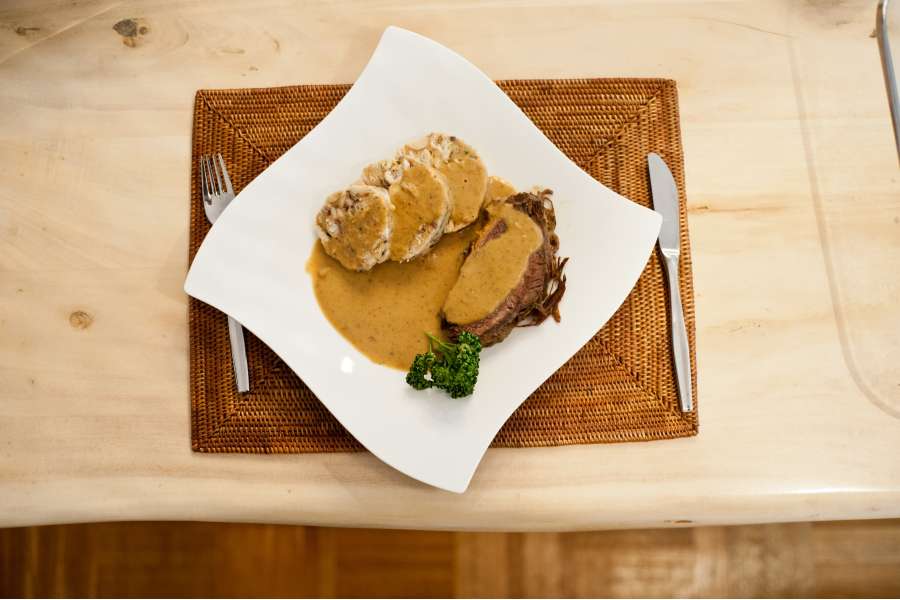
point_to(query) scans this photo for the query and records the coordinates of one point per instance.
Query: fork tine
(204, 192)
(220, 185)
(228, 187)
(211, 180)
(210, 177)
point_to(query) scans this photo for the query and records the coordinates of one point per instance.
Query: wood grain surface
(855, 559)
(794, 204)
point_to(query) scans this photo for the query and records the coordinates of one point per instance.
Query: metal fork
(217, 192)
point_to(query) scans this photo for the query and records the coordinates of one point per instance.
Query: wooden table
(795, 223)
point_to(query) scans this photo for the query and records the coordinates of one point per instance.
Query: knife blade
(665, 202)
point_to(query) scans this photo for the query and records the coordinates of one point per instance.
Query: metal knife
(665, 202)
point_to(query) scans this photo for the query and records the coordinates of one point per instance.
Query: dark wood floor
(189, 559)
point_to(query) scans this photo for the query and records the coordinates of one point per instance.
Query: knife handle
(680, 348)
(239, 355)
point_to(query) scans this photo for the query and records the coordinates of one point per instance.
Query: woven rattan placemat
(619, 387)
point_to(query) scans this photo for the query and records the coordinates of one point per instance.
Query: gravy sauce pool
(385, 312)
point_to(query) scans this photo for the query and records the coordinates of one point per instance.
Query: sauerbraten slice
(512, 275)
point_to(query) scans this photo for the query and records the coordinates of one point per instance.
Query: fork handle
(680, 348)
(239, 355)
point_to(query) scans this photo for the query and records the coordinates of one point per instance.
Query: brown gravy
(498, 190)
(497, 268)
(385, 312)
(420, 200)
(468, 179)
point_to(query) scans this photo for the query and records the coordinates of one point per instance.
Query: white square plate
(252, 263)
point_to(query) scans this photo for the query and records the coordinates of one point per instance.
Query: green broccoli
(456, 369)
(420, 367)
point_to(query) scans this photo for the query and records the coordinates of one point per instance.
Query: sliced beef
(542, 286)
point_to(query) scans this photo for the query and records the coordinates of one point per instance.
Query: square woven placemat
(620, 387)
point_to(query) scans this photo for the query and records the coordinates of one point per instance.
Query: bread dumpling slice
(421, 201)
(383, 172)
(460, 164)
(355, 226)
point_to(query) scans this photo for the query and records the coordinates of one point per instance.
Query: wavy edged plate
(252, 263)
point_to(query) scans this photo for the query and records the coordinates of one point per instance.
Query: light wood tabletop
(794, 211)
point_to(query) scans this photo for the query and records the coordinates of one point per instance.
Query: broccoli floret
(418, 371)
(455, 370)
